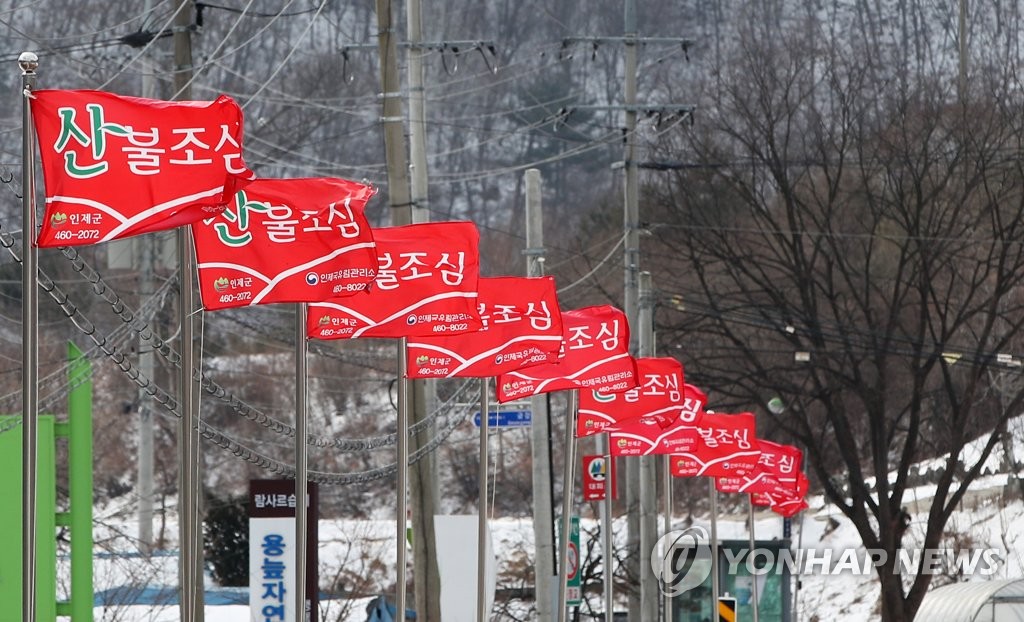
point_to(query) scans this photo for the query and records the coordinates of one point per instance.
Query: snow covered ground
(363, 552)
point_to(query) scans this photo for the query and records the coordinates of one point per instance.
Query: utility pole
(411, 399)
(648, 519)
(631, 265)
(543, 520)
(417, 114)
(189, 533)
(637, 537)
(425, 490)
(144, 260)
(962, 31)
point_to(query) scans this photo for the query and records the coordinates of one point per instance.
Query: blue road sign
(506, 419)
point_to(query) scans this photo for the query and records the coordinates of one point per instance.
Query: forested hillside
(836, 224)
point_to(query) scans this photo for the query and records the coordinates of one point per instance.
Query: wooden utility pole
(638, 537)
(143, 258)
(412, 399)
(648, 519)
(543, 520)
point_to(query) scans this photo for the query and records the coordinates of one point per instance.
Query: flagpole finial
(28, 61)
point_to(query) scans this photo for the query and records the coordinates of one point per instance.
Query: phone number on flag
(81, 234)
(441, 328)
(328, 332)
(239, 297)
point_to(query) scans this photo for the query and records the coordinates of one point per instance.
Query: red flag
(642, 437)
(785, 503)
(777, 469)
(118, 166)
(728, 447)
(287, 240)
(789, 505)
(522, 326)
(595, 355)
(426, 285)
(693, 404)
(659, 397)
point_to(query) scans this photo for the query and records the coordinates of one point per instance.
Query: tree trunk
(892, 601)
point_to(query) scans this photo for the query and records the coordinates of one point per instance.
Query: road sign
(506, 418)
(727, 608)
(595, 477)
(573, 583)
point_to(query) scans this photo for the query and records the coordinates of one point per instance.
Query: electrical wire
(161, 397)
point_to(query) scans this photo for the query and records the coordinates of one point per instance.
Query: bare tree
(869, 221)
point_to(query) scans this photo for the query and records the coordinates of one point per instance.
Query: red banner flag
(522, 326)
(287, 240)
(426, 285)
(594, 355)
(728, 447)
(118, 166)
(694, 401)
(658, 396)
(785, 503)
(643, 437)
(777, 469)
(788, 505)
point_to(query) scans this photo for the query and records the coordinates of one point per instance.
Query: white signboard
(457, 565)
(271, 569)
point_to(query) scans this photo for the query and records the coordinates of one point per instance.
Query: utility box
(772, 585)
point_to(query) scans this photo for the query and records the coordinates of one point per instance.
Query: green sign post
(10, 518)
(573, 591)
(77, 431)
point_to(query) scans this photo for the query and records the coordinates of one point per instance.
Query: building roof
(962, 602)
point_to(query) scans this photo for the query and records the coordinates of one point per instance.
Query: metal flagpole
(568, 479)
(713, 492)
(30, 354)
(301, 474)
(188, 489)
(796, 589)
(189, 532)
(606, 528)
(403, 477)
(753, 577)
(667, 476)
(481, 543)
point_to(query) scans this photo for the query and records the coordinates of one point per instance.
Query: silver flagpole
(301, 474)
(713, 493)
(188, 489)
(481, 544)
(190, 536)
(568, 479)
(402, 485)
(753, 543)
(607, 517)
(667, 476)
(30, 334)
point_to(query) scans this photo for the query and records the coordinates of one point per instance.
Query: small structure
(975, 601)
(770, 583)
